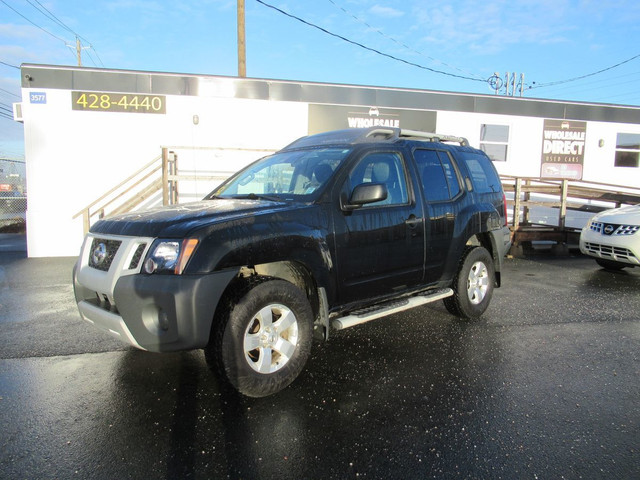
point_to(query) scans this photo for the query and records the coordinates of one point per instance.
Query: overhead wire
(9, 93)
(51, 16)
(560, 82)
(402, 44)
(9, 65)
(33, 23)
(378, 52)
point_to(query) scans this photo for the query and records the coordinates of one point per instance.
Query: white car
(612, 237)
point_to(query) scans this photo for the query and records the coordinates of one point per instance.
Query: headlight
(169, 256)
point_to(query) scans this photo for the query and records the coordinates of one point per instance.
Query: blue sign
(38, 97)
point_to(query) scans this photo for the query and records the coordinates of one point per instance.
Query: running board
(389, 308)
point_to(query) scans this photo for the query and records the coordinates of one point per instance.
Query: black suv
(334, 230)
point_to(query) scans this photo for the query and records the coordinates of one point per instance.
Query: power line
(51, 16)
(392, 57)
(8, 64)
(560, 82)
(33, 23)
(397, 42)
(9, 93)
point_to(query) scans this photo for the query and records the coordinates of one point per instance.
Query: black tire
(473, 284)
(610, 264)
(272, 315)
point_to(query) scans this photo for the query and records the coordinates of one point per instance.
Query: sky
(587, 51)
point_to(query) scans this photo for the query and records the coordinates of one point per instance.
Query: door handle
(413, 221)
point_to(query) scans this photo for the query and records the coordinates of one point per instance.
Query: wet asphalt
(546, 385)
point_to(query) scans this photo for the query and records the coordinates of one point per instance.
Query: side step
(389, 308)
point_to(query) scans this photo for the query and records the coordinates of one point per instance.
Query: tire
(610, 264)
(262, 337)
(473, 284)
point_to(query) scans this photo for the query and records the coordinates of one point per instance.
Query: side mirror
(365, 194)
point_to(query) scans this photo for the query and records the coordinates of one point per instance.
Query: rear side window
(483, 176)
(438, 176)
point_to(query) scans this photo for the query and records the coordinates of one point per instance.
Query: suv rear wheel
(262, 339)
(473, 284)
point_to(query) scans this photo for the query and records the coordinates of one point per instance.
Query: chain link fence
(13, 196)
(13, 212)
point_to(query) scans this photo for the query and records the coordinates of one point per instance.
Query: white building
(87, 129)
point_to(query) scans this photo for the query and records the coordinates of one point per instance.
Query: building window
(628, 150)
(494, 141)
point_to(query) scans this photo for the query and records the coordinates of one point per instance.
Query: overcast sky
(436, 45)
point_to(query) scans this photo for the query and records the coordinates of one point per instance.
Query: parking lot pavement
(546, 385)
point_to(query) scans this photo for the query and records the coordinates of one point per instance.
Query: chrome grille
(102, 253)
(627, 229)
(615, 229)
(135, 260)
(611, 252)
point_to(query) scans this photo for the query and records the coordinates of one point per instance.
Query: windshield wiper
(258, 196)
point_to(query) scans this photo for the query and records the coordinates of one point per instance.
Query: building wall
(221, 124)
(73, 157)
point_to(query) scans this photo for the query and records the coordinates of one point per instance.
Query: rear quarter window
(483, 176)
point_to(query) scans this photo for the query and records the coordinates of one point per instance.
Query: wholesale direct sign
(563, 144)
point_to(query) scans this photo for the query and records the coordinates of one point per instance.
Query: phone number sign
(118, 102)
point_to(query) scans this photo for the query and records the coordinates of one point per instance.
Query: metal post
(165, 175)
(174, 178)
(527, 198)
(563, 204)
(516, 203)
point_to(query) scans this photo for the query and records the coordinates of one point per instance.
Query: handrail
(138, 178)
(114, 189)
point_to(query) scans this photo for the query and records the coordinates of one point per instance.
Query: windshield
(295, 175)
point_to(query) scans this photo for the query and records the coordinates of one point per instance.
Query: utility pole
(79, 51)
(78, 47)
(242, 54)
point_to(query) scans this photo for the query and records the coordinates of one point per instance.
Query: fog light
(150, 266)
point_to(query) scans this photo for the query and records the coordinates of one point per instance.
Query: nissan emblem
(99, 254)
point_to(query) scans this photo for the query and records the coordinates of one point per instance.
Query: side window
(385, 168)
(438, 176)
(627, 150)
(450, 173)
(483, 176)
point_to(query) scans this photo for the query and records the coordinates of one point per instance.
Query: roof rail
(397, 133)
(433, 137)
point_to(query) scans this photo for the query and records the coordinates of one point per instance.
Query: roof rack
(397, 133)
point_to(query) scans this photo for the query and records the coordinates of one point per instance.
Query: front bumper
(619, 248)
(158, 313)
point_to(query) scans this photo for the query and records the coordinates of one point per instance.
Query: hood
(629, 215)
(178, 221)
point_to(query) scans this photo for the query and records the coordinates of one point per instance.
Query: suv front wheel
(262, 337)
(473, 284)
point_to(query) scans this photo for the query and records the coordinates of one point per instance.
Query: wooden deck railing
(525, 193)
